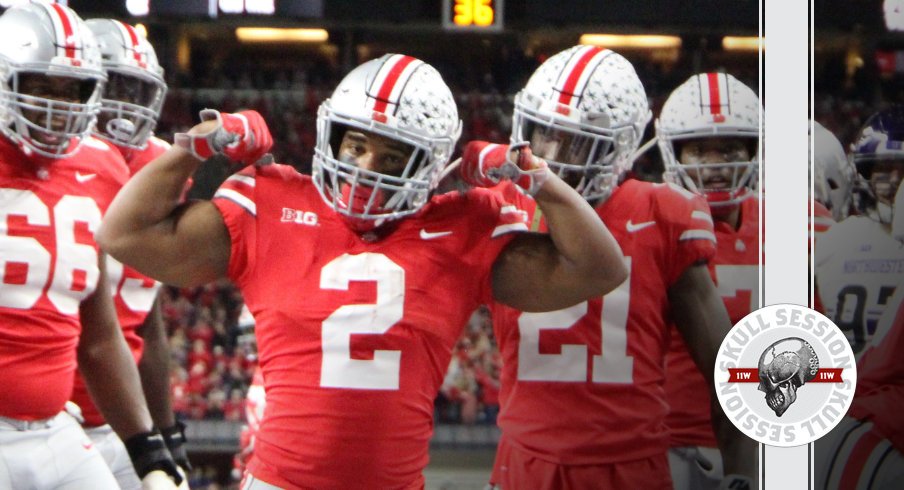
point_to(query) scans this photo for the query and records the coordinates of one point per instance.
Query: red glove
(485, 164)
(242, 137)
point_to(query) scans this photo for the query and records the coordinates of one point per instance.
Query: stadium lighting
(142, 30)
(272, 34)
(742, 43)
(893, 11)
(642, 41)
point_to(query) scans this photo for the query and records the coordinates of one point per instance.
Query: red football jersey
(735, 270)
(583, 385)
(820, 218)
(48, 262)
(354, 336)
(133, 292)
(880, 377)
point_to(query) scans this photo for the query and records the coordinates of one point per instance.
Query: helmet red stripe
(133, 37)
(389, 83)
(715, 99)
(575, 75)
(69, 39)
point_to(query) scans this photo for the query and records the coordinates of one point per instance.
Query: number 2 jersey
(133, 293)
(583, 385)
(48, 262)
(354, 337)
(858, 267)
(735, 271)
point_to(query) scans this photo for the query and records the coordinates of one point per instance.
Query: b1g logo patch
(785, 375)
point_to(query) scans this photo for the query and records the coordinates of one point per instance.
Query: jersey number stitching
(338, 369)
(613, 365)
(71, 256)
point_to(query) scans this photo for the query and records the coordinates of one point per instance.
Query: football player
(834, 174)
(866, 449)
(581, 402)
(708, 135)
(129, 107)
(858, 262)
(834, 180)
(359, 277)
(55, 306)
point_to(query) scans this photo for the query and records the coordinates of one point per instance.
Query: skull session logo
(785, 375)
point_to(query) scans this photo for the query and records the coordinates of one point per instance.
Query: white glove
(158, 480)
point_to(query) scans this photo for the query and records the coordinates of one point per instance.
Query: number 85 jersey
(858, 267)
(584, 385)
(354, 336)
(48, 266)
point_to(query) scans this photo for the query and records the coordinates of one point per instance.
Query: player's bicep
(189, 248)
(531, 275)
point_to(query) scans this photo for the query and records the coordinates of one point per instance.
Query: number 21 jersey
(583, 385)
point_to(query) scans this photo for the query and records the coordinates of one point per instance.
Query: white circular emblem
(785, 375)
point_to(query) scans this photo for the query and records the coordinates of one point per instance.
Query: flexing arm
(147, 228)
(577, 260)
(188, 244)
(700, 316)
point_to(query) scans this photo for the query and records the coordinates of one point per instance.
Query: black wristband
(175, 441)
(148, 453)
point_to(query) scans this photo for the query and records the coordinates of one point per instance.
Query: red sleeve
(499, 220)
(880, 377)
(690, 228)
(235, 200)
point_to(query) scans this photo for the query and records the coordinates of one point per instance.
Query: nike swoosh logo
(632, 227)
(426, 235)
(82, 178)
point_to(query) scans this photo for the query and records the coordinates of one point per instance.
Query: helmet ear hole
(337, 133)
(86, 90)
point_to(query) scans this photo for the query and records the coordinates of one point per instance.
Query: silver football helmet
(135, 89)
(834, 174)
(396, 97)
(710, 105)
(584, 110)
(47, 42)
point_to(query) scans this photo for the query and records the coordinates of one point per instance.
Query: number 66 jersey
(48, 265)
(354, 336)
(584, 385)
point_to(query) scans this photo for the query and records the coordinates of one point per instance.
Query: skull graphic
(784, 367)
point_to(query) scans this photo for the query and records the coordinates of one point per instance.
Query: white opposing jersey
(858, 267)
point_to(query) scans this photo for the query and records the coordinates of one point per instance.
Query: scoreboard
(472, 15)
